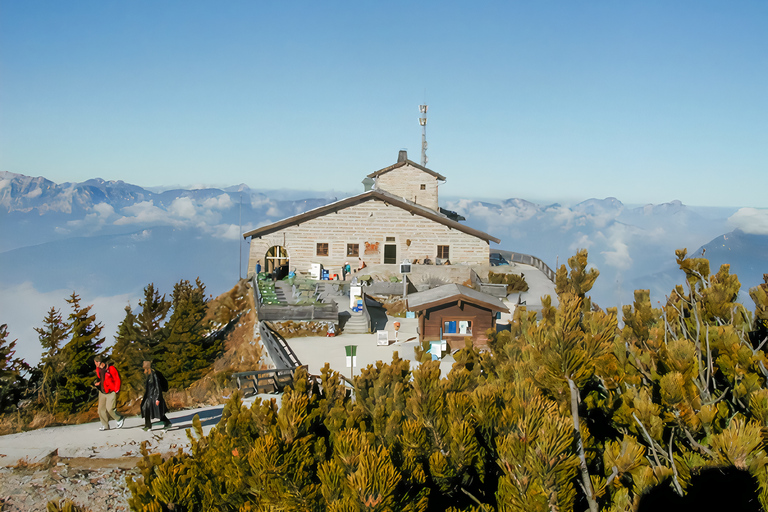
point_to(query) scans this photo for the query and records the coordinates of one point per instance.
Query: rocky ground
(96, 485)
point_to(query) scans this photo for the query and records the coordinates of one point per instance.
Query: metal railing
(533, 261)
(279, 351)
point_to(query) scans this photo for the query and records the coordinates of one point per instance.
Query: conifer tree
(12, 370)
(128, 353)
(185, 351)
(75, 391)
(149, 321)
(138, 338)
(566, 412)
(48, 373)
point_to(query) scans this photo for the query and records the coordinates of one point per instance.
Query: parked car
(497, 259)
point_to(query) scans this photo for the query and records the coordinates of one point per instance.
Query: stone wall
(368, 224)
(406, 181)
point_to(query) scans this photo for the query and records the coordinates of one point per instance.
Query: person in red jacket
(108, 384)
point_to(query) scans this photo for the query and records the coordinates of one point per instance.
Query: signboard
(351, 355)
(382, 338)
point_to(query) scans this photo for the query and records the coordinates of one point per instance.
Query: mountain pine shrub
(572, 410)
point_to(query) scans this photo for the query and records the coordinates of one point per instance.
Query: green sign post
(351, 358)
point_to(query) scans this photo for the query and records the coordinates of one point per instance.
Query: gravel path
(100, 489)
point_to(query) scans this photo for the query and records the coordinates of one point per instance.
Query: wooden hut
(453, 312)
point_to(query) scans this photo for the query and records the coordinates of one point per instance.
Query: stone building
(399, 218)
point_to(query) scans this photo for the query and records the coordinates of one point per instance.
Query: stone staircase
(357, 323)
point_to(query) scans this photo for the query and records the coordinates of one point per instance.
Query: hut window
(423, 187)
(353, 250)
(322, 249)
(457, 328)
(442, 252)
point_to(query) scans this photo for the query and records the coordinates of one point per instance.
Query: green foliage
(567, 411)
(48, 374)
(139, 337)
(12, 370)
(186, 350)
(514, 282)
(74, 388)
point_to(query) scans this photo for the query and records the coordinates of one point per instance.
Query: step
(357, 324)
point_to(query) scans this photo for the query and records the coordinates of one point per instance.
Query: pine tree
(185, 352)
(76, 391)
(567, 411)
(128, 353)
(138, 338)
(149, 322)
(12, 370)
(48, 373)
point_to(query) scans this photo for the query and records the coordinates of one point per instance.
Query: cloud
(101, 214)
(618, 257)
(183, 207)
(24, 308)
(146, 212)
(226, 231)
(750, 220)
(221, 202)
(182, 212)
(143, 235)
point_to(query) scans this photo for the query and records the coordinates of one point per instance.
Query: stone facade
(407, 182)
(370, 225)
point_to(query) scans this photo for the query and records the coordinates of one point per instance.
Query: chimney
(402, 156)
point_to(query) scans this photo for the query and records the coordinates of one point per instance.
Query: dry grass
(291, 329)
(394, 306)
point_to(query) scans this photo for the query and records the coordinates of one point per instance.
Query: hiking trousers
(107, 408)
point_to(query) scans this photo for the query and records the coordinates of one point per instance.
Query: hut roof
(450, 293)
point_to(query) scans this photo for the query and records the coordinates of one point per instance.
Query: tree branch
(648, 438)
(586, 481)
(674, 468)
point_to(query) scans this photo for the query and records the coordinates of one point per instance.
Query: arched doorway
(276, 257)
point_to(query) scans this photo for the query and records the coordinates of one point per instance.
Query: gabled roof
(371, 195)
(406, 162)
(451, 293)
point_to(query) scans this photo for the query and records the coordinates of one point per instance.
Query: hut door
(390, 254)
(276, 256)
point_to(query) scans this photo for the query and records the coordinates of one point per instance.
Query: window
(423, 187)
(390, 239)
(457, 328)
(353, 250)
(322, 249)
(442, 252)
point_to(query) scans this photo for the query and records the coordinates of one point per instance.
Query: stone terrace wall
(368, 225)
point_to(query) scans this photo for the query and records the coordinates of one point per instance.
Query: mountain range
(106, 240)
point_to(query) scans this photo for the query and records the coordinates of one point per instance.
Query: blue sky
(547, 101)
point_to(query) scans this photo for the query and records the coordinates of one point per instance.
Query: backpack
(162, 381)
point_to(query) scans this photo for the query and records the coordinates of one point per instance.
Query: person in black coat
(153, 403)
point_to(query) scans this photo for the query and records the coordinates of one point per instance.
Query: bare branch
(675, 480)
(585, 480)
(700, 447)
(648, 438)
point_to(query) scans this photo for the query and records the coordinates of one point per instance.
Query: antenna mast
(423, 123)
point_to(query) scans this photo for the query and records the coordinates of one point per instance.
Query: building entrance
(390, 254)
(276, 258)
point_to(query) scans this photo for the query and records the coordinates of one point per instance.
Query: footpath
(85, 465)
